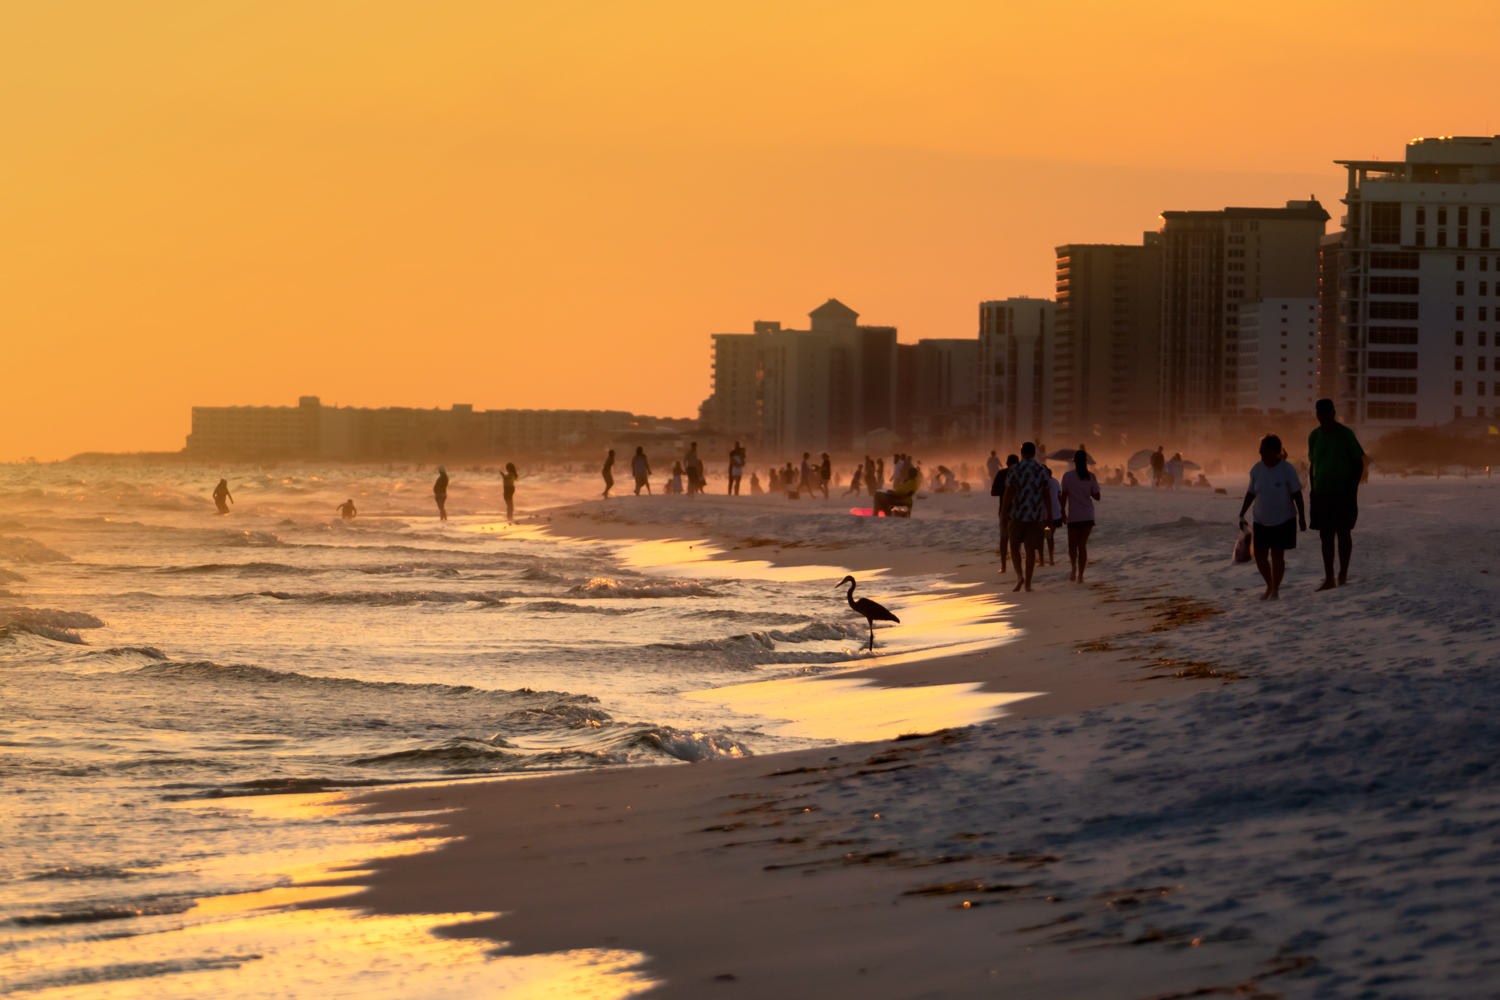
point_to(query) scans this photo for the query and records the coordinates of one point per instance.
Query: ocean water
(183, 692)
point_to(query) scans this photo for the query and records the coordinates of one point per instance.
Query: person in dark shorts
(1080, 488)
(997, 489)
(1338, 465)
(1029, 502)
(1276, 492)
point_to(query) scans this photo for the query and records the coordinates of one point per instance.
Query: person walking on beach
(347, 511)
(640, 468)
(674, 484)
(1276, 493)
(1029, 502)
(1338, 465)
(825, 474)
(879, 476)
(805, 474)
(221, 494)
(856, 481)
(870, 475)
(992, 465)
(1158, 465)
(1173, 475)
(440, 492)
(508, 479)
(1054, 493)
(609, 473)
(997, 489)
(1079, 491)
(736, 468)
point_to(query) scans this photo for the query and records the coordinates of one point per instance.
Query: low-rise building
(312, 430)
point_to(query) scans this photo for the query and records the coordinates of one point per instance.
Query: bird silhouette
(873, 612)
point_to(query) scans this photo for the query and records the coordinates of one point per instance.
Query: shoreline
(597, 883)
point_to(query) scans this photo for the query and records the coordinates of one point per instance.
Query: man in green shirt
(1338, 466)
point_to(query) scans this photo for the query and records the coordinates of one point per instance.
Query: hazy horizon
(553, 208)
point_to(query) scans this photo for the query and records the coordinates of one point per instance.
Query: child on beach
(856, 481)
(674, 485)
(1276, 492)
(1054, 489)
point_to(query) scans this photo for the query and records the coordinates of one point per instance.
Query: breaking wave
(390, 598)
(603, 586)
(50, 617)
(245, 673)
(26, 550)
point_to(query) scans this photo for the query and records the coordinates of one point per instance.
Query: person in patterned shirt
(1029, 501)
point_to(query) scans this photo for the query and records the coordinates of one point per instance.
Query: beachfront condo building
(1278, 363)
(312, 430)
(1213, 263)
(1417, 322)
(1015, 371)
(937, 394)
(786, 391)
(1107, 352)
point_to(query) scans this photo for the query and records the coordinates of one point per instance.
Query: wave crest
(604, 586)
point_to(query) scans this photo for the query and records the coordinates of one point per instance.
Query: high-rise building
(937, 390)
(1015, 371)
(1278, 363)
(1107, 355)
(1417, 265)
(1329, 281)
(1212, 263)
(820, 389)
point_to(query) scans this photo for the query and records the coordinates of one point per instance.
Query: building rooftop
(1309, 210)
(833, 309)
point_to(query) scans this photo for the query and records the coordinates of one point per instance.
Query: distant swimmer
(221, 493)
(609, 473)
(509, 477)
(347, 510)
(440, 492)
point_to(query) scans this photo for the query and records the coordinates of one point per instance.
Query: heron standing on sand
(873, 612)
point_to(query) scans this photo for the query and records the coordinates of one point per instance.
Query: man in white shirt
(1276, 491)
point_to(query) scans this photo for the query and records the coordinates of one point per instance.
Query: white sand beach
(1214, 795)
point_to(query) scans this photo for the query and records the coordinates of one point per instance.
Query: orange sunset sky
(553, 204)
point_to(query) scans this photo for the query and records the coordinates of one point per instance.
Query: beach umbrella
(1139, 460)
(1191, 466)
(1066, 455)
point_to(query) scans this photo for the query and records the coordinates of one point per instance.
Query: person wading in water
(221, 493)
(440, 492)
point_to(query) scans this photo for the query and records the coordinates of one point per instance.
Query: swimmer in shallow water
(221, 493)
(346, 509)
